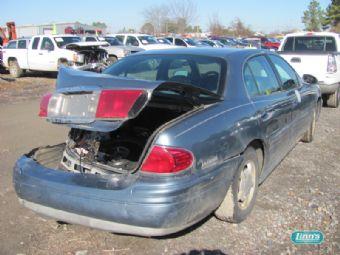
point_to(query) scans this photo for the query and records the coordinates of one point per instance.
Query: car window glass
(120, 38)
(171, 39)
(264, 75)
(179, 42)
(250, 82)
(288, 44)
(131, 40)
(47, 44)
(12, 45)
(35, 43)
(314, 43)
(286, 73)
(179, 69)
(90, 39)
(200, 71)
(22, 44)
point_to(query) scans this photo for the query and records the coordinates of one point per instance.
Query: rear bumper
(328, 88)
(140, 205)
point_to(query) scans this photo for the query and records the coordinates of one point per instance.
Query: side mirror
(310, 79)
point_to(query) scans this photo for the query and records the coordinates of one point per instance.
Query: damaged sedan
(161, 139)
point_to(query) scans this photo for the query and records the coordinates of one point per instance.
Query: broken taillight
(163, 159)
(116, 103)
(44, 105)
(331, 64)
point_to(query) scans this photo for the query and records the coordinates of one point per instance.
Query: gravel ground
(301, 194)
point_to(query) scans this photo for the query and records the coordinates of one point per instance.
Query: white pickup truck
(48, 52)
(317, 54)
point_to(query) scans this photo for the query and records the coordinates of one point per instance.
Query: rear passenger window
(90, 39)
(286, 73)
(22, 44)
(120, 38)
(264, 75)
(250, 82)
(35, 43)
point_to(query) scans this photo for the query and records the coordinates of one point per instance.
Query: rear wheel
(333, 99)
(14, 69)
(241, 195)
(309, 135)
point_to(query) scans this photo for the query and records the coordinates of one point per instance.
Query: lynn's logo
(307, 237)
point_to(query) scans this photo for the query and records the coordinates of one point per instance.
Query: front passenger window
(264, 75)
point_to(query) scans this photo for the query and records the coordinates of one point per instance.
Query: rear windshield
(310, 44)
(63, 40)
(200, 71)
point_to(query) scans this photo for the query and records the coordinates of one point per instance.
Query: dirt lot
(302, 194)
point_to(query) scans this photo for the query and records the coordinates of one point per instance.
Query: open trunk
(116, 141)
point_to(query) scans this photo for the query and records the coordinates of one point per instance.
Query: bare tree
(147, 28)
(215, 25)
(158, 16)
(182, 12)
(240, 29)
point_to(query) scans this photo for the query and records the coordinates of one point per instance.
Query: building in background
(57, 28)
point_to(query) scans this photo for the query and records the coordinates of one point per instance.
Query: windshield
(310, 43)
(62, 41)
(190, 42)
(147, 39)
(113, 41)
(200, 71)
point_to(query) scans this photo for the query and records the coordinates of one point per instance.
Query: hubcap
(247, 182)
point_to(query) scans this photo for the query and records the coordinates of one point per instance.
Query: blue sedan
(161, 139)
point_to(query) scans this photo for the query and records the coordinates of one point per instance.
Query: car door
(47, 56)
(273, 109)
(33, 54)
(302, 112)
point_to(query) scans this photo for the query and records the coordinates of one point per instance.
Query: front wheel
(333, 99)
(14, 69)
(241, 195)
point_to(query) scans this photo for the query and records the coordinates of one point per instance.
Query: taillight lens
(164, 159)
(331, 64)
(116, 103)
(44, 105)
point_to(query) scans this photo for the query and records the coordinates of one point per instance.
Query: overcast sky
(261, 15)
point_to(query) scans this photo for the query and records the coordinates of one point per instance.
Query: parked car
(270, 43)
(212, 43)
(185, 42)
(161, 140)
(163, 40)
(48, 52)
(316, 54)
(144, 41)
(114, 47)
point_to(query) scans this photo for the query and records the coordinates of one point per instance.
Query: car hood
(77, 91)
(84, 44)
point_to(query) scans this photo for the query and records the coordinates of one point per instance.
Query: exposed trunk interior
(119, 151)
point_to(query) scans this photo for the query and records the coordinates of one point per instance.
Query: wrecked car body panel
(97, 178)
(140, 205)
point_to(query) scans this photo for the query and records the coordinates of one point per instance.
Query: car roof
(306, 33)
(213, 52)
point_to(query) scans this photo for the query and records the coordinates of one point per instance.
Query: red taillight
(331, 64)
(44, 105)
(116, 103)
(164, 159)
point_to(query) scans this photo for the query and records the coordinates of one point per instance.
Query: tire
(308, 137)
(233, 209)
(333, 99)
(14, 69)
(111, 60)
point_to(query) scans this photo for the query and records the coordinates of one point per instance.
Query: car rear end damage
(110, 174)
(133, 203)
